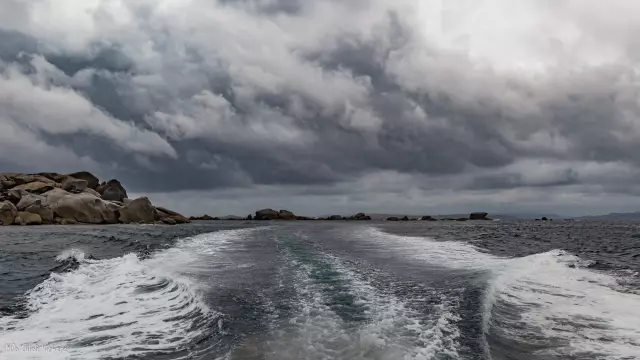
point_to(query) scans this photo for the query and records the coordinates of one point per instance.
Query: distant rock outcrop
(52, 198)
(360, 217)
(270, 214)
(478, 216)
(266, 214)
(204, 218)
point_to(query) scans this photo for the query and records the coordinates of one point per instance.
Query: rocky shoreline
(76, 198)
(80, 198)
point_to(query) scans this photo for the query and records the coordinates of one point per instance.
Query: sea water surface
(321, 291)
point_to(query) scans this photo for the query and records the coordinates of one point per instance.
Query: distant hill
(612, 216)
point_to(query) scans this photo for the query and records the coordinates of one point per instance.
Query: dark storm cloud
(319, 97)
(514, 180)
(269, 7)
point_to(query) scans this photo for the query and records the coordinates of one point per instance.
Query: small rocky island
(52, 198)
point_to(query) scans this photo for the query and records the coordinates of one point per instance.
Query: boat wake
(339, 314)
(548, 305)
(120, 307)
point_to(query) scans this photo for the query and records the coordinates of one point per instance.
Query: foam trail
(118, 307)
(342, 316)
(582, 312)
(445, 254)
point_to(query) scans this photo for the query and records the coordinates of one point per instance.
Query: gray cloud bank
(321, 106)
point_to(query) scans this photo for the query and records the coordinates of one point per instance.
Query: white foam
(135, 306)
(561, 300)
(73, 253)
(446, 254)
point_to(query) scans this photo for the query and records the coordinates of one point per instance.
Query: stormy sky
(330, 106)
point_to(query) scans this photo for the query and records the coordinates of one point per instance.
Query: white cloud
(37, 103)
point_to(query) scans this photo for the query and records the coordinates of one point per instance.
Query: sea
(242, 290)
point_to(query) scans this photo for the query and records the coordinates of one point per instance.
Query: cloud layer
(420, 106)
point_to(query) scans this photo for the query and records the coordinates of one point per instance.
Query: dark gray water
(322, 290)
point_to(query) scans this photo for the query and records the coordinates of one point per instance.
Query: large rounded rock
(45, 212)
(27, 218)
(6, 181)
(53, 196)
(8, 213)
(92, 192)
(74, 185)
(92, 180)
(85, 208)
(164, 214)
(266, 214)
(286, 215)
(112, 190)
(27, 200)
(15, 195)
(335, 217)
(139, 210)
(21, 179)
(36, 187)
(55, 177)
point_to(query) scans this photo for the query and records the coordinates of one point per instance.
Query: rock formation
(112, 190)
(52, 198)
(360, 217)
(204, 217)
(138, 211)
(8, 213)
(266, 214)
(270, 214)
(92, 180)
(27, 218)
(74, 185)
(428, 218)
(478, 216)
